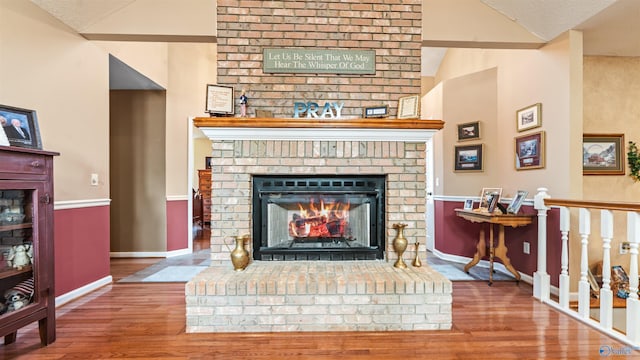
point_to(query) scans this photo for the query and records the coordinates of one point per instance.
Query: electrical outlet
(94, 180)
(624, 248)
(526, 247)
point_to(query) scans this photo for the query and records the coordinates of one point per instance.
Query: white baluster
(583, 285)
(633, 304)
(565, 217)
(606, 295)
(541, 280)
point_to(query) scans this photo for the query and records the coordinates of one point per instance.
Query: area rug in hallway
(451, 272)
(175, 274)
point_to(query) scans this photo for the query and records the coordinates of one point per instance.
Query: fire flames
(325, 221)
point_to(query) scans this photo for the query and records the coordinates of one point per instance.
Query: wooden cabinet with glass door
(26, 242)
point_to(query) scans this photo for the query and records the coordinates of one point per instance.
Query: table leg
(491, 254)
(501, 253)
(480, 251)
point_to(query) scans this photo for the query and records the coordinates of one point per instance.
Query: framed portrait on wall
(530, 151)
(529, 117)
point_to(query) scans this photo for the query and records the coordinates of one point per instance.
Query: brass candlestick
(416, 261)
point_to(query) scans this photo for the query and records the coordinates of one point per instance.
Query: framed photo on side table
(602, 154)
(529, 117)
(530, 151)
(20, 126)
(468, 158)
(489, 197)
(408, 107)
(468, 204)
(516, 202)
(469, 131)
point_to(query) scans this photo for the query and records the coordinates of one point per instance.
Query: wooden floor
(147, 321)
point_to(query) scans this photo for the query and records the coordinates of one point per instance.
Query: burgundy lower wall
(177, 222)
(456, 236)
(81, 240)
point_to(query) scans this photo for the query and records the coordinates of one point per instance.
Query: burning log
(326, 223)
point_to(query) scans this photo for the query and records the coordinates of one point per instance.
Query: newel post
(541, 280)
(633, 303)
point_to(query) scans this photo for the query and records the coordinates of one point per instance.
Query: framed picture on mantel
(408, 107)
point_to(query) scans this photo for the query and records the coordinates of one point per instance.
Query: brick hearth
(318, 296)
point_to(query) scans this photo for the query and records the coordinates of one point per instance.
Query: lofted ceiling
(610, 27)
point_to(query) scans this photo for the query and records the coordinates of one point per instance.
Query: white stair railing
(541, 280)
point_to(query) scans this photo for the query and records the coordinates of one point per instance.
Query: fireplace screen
(319, 218)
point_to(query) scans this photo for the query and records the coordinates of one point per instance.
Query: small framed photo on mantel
(409, 107)
(219, 100)
(381, 111)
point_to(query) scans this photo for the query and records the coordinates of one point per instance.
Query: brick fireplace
(235, 163)
(274, 295)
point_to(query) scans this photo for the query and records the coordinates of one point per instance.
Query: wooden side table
(499, 251)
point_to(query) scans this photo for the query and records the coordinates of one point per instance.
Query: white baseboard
(178, 252)
(84, 290)
(149, 254)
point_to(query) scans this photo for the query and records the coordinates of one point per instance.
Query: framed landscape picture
(602, 154)
(529, 117)
(530, 151)
(469, 131)
(468, 158)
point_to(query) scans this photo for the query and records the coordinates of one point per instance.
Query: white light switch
(94, 180)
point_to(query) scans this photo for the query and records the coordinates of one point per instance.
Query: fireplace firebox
(318, 217)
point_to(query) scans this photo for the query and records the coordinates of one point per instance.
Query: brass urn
(400, 245)
(239, 255)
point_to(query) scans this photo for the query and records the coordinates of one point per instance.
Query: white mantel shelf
(233, 128)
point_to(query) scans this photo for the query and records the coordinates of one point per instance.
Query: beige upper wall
(524, 77)
(611, 106)
(446, 22)
(47, 67)
(191, 67)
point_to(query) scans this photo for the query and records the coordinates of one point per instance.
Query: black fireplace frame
(265, 186)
